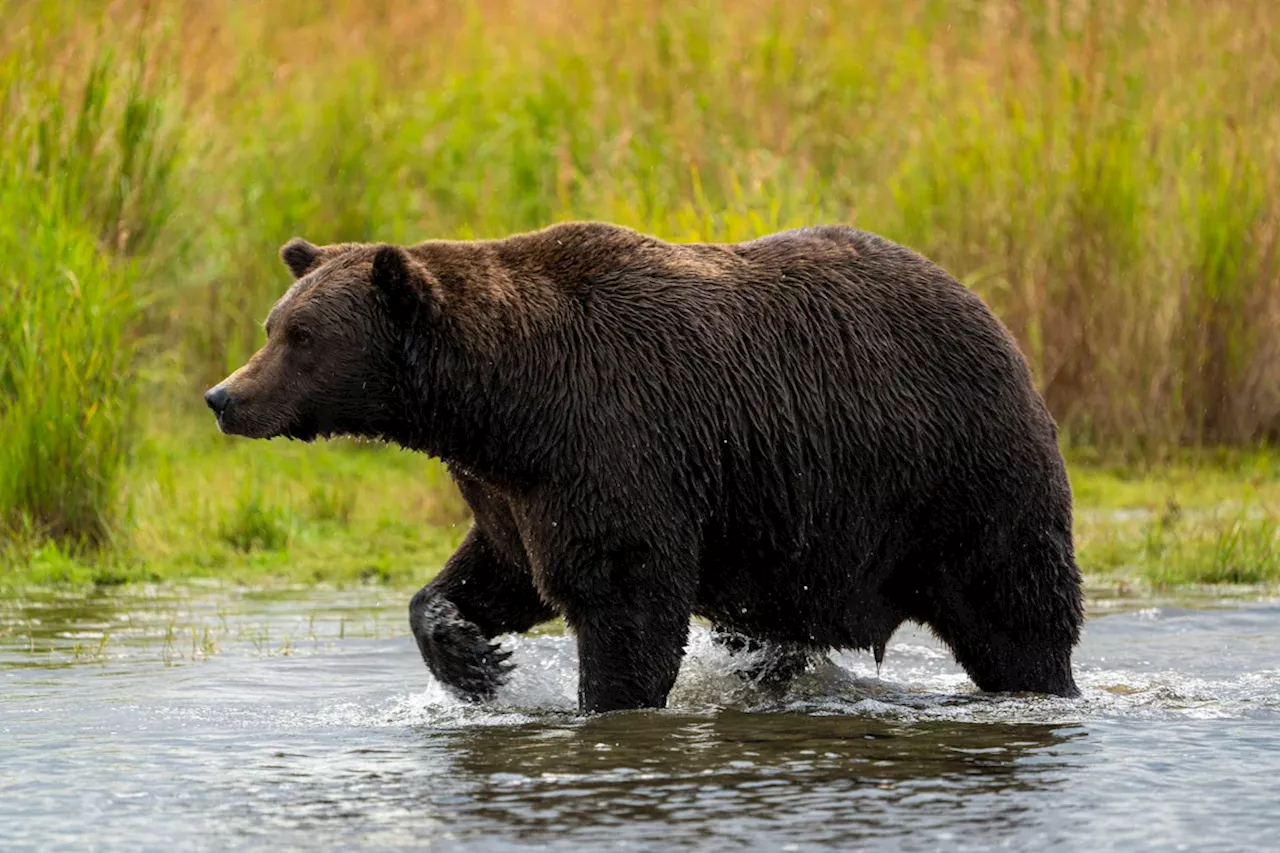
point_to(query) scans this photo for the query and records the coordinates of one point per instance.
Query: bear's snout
(218, 399)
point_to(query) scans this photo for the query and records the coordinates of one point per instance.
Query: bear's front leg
(628, 660)
(630, 609)
(454, 618)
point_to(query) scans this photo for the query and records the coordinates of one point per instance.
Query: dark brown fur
(808, 439)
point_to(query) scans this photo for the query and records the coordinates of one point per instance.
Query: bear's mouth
(236, 424)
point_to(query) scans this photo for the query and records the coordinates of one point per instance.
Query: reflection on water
(742, 776)
(217, 721)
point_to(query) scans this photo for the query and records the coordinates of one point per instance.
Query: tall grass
(1099, 172)
(1106, 174)
(65, 391)
(83, 194)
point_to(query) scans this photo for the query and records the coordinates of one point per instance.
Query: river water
(216, 721)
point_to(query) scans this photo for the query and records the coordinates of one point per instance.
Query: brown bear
(806, 439)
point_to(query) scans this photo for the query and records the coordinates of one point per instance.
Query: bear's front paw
(458, 653)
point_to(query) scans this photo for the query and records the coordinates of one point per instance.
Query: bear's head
(334, 361)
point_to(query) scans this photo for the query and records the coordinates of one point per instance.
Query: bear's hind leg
(454, 618)
(1012, 627)
(1004, 661)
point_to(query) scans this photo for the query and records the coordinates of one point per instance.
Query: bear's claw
(458, 653)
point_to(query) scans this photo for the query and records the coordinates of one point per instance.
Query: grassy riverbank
(1204, 520)
(1105, 175)
(201, 505)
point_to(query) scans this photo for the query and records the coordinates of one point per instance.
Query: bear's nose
(218, 399)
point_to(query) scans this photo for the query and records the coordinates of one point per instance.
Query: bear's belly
(822, 607)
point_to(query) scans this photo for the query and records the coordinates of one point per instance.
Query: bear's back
(829, 307)
(852, 294)
(591, 260)
(821, 337)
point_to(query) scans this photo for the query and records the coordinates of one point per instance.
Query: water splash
(918, 681)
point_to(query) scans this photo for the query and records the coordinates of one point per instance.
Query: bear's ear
(300, 256)
(399, 278)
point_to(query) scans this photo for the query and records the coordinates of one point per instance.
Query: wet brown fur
(808, 439)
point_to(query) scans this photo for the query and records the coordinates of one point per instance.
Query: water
(226, 721)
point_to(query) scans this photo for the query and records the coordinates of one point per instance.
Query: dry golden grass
(1105, 174)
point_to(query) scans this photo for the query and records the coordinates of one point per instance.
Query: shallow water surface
(223, 721)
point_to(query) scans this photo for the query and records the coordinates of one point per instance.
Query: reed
(1105, 174)
(1101, 176)
(83, 195)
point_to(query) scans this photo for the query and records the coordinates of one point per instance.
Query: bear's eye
(299, 336)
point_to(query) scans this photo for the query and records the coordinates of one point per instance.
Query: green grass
(83, 183)
(1104, 180)
(201, 505)
(1162, 551)
(1199, 521)
(256, 524)
(204, 506)
(1106, 175)
(65, 381)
